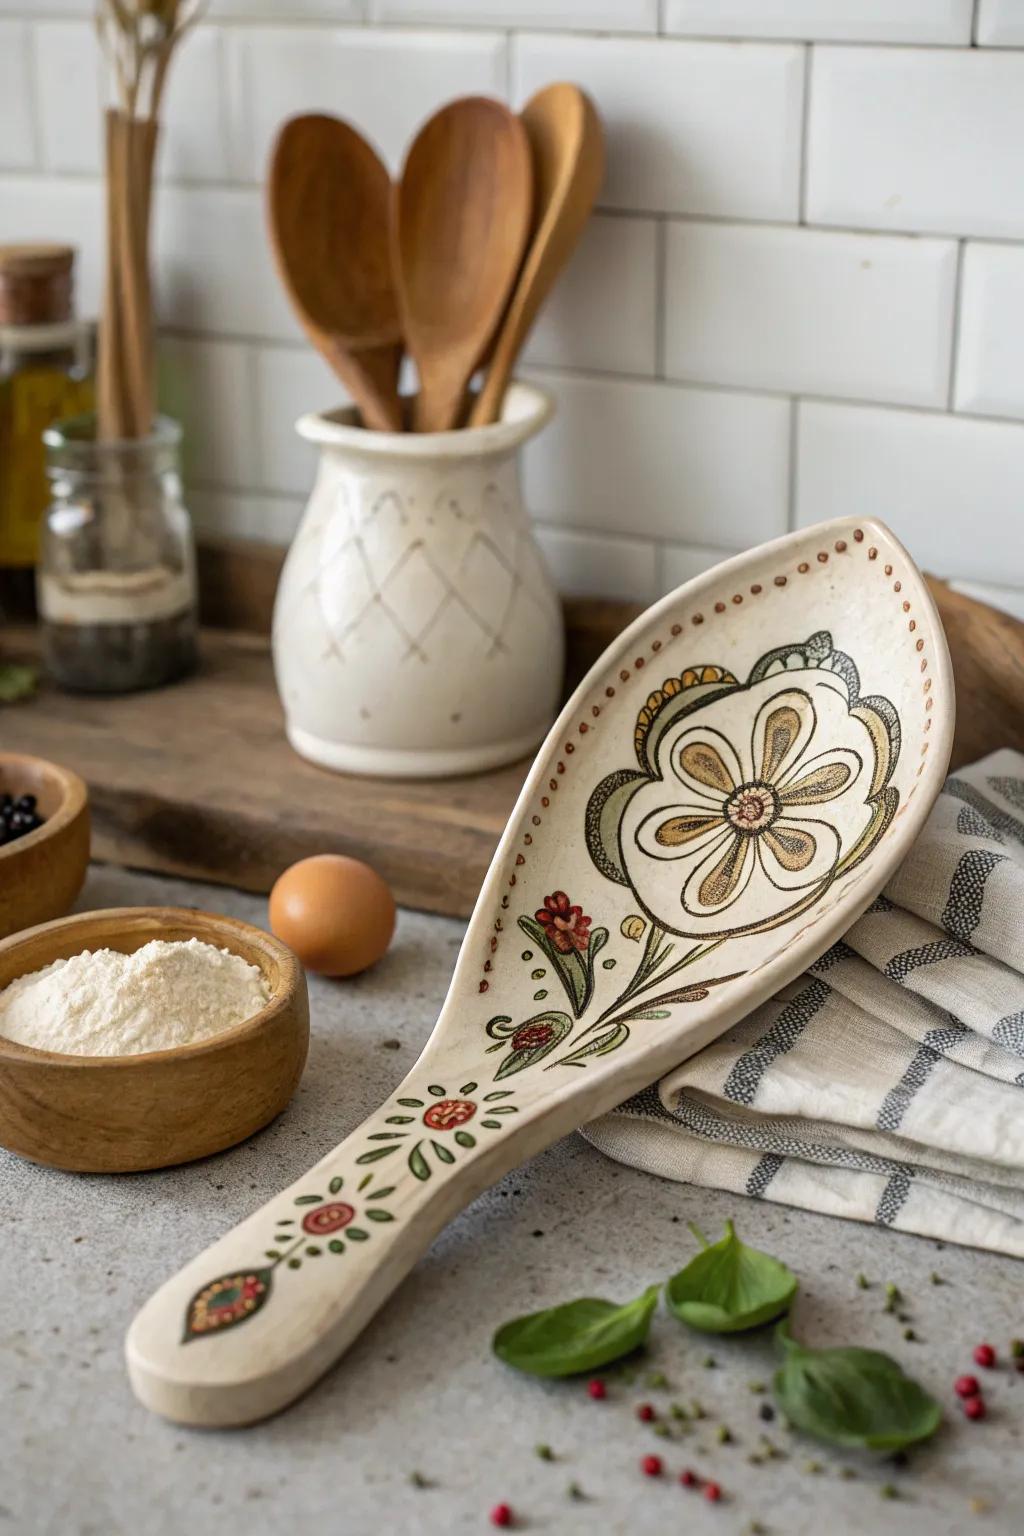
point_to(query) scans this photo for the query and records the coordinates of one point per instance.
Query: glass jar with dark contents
(116, 582)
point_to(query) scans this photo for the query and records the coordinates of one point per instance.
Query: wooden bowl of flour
(117, 1114)
(42, 872)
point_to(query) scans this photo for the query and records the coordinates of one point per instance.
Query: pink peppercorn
(712, 1492)
(645, 1413)
(966, 1386)
(974, 1407)
(501, 1514)
(985, 1356)
(688, 1479)
(597, 1389)
(651, 1466)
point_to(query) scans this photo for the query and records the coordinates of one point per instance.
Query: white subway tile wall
(802, 295)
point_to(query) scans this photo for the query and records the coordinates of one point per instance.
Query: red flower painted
(565, 925)
(447, 1114)
(531, 1036)
(327, 1218)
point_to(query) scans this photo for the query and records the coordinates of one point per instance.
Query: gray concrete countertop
(420, 1391)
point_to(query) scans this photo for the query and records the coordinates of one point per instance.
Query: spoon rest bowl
(725, 792)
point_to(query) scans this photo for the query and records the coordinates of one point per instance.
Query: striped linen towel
(886, 1083)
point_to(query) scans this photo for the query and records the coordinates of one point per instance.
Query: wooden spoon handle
(251, 1323)
(371, 377)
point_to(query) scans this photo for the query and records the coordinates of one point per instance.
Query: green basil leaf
(729, 1287)
(853, 1397)
(578, 1336)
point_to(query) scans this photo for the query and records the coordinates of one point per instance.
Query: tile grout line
(958, 304)
(805, 117)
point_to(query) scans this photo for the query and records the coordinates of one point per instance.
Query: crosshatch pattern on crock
(700, 623)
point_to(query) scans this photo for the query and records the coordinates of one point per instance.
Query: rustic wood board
(198, 779)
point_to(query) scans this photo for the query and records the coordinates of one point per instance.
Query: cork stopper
(36, 284)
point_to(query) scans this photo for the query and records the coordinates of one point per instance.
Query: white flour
(101, 1003)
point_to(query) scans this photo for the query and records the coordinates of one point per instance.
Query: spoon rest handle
(252, 1322)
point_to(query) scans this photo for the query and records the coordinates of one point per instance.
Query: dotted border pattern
(841, 547)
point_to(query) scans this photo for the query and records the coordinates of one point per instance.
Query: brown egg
(337, 914)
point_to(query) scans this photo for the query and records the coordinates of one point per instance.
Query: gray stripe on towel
(747, 1071)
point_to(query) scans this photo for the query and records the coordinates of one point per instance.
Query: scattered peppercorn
(418, 1480)
(712, 1492)
(501, 1514)
(688, 1478)
(650, 1466)
(863, 1283)
(545, 1452)
(985, 1356)
(575, 1491)
(709, 1362)
(723, 1434)
(18, 817)
(597, 1389)
(937, 1279)
(645, 1413)
(967, 1386)
(910, 1335)
(766, 1412)
(974, 1407)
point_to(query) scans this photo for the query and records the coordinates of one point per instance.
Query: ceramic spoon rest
(725, 792)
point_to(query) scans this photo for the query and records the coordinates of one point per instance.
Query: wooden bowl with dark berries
(44, 840)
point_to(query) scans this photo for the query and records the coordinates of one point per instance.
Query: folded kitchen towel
(886, 1083)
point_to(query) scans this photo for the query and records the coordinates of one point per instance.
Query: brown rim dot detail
(488, 966)
(545, 802)
(841, 545)
(888, 570)
(494, 945)
(484, 985)
(927, 685)
(897, 586)
(559, 767)
(520, 861)
(912, 625)
(928, 725)
(512, 880)
(719, 607)
(570, 748)
(924, 748)
(920, 769)
(656, 645)
(780, 581)
(535, 820)
(928, 703)
(755, 589)
(624, 676)
(609, 693)
(677, 629)
(527, 838)
(638, 663)
(584, 727)
(919, 645)
(872, 553)
(822, 555)
(737, 597)
(924, 664)
(906, 606)
(698, 618)
(595, 710)
(803, 567)
(858, 534)
(552, 783)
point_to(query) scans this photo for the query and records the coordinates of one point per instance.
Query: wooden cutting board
(198, 779)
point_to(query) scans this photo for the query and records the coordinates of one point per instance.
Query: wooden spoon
(462, 216)
(567, 147)
(329, 203)
(642, 899)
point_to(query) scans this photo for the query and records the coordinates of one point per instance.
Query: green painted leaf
(286, 1221)
(379, 1215)
(381, 1194)
(852, 1397)
(356, 1234)
(539, 997)
(527, 954)
(499, 1093)
(443, 1154)
(283, 1237)
(575, 974)
(491, 1125)
(578, 1336)
(538, 975)
(464, 1139)
(377, 1153)
(387, 1136)
(335, 1184)
(412, 1103)
(313, 1251)
(503, 1109)
(399, 1119)
(418, 1163)
(336, 1245)
(436, 1090)
(367, 1178)
(294, 1263)
(308, 1199)
(607, 965)
(728, 1287)
(272, 1253)
(558, 1024)
(468, 1088)
(500, 1027)
(226, 1301)
(598, 1045)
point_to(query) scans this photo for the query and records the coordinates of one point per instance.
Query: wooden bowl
(42, 873)
(116, 1114)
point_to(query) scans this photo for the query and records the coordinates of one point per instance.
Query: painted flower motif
(565, 925)
(448, 1114)
(532, 1036)
(754, 798)
(326, 1219)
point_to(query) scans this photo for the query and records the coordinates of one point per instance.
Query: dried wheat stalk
(139, 38)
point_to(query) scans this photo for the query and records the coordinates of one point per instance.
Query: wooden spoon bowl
(117, 1114)
(42, 872)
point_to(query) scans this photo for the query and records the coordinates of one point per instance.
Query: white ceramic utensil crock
(416, 629)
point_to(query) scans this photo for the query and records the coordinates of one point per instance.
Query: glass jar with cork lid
(45, 374)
